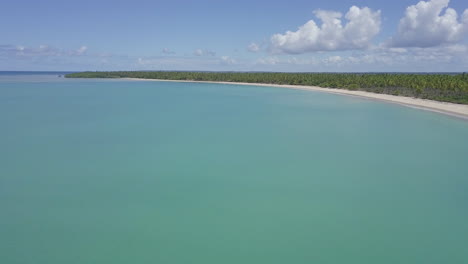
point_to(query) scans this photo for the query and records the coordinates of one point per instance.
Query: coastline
(451, 109)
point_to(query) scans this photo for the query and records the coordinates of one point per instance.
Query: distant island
(439, 87)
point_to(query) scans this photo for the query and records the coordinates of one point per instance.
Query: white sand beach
(456, 110)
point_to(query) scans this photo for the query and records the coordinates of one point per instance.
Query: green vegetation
(440, 87)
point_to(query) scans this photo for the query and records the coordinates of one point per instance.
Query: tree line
(441, 87)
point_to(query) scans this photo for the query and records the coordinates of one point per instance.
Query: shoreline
(451, 109)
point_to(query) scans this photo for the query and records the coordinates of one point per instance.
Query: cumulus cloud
(201, 52)
(227, 60)
(333, 60)
(363, 24)
(142, 61)
(268, 61)
(253, 47)
(82, 50)
(429, 24)
(167, 51)
(290, 60)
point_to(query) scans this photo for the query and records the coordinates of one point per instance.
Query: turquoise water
(113, 171)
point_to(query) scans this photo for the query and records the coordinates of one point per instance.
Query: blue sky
(345, 35)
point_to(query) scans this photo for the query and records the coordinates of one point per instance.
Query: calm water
(112, 171)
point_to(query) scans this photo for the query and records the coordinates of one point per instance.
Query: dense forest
(441, 87)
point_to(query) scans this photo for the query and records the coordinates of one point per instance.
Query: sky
(209, 35)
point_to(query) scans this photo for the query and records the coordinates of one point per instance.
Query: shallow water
(112, 171)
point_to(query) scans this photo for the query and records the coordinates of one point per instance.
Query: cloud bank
(41, 51)
(447, 58)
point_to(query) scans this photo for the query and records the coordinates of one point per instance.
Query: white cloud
(228, 60)
(362, 26)
(290, 60)
(333, 60)
(41, 51)
(268, 61)
(442, 58)
(200, 52)
(429, 24)
(185, 63)
(167, 51)
(81, 50)
(142, 61)
(398, 50)
(253, 47)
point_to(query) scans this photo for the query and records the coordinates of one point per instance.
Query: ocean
(118, 171)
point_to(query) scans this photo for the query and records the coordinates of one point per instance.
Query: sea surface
(115, 171)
